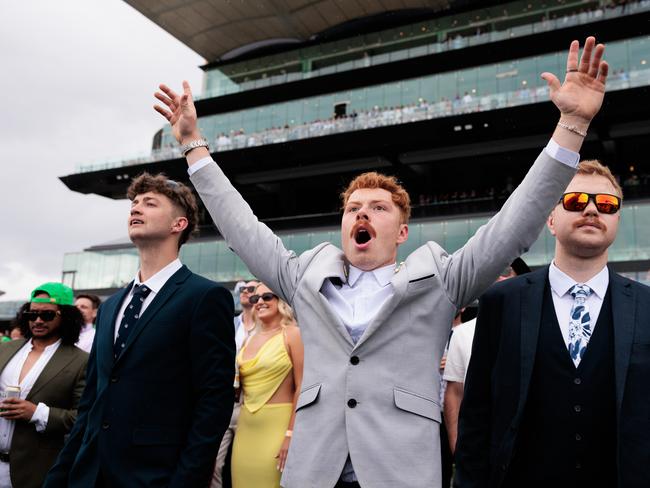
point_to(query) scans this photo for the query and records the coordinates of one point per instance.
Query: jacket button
(354, 360)
(577, 381)
(577, 408)
(113, 379)
(352, 403)
(105, 425)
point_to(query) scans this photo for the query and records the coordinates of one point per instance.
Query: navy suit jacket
(156, 415)
(501, 367)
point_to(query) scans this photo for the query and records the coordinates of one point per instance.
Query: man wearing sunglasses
(45, 375)
(557, 388)
(161, 369)
(374, 331)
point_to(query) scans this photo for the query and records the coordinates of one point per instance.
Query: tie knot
(578, 291)
(141, 291)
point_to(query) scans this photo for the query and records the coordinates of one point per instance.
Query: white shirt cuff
(40, 417)
(199, 164)
(566, 156)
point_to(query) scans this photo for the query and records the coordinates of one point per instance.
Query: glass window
(392, 94)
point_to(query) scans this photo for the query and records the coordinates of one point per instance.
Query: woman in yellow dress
(270, 373)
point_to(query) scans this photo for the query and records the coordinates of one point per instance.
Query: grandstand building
(299, 96)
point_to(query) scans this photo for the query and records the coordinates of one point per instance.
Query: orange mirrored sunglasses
(577, 201)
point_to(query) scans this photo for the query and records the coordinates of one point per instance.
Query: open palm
(581, 95)
(180, 112)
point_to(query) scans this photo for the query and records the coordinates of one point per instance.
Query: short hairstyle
(71, 323)
(95, 300)
(373, 180)
(180, 195)
(595, 167)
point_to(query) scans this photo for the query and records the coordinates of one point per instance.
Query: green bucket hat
(59, 294)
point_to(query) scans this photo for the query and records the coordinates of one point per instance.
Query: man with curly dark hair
(45, 375)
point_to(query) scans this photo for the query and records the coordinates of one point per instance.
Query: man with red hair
(374, 333)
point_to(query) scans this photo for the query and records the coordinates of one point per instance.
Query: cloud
(18, 280)
(77, 87)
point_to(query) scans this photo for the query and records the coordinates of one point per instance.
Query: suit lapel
(162, 297)
(399, 283)
(623, 307)
(333, 267)
(59, 360)
(532, 298)
(9, 350)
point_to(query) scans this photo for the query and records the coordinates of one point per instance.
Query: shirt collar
(157, 281)
(47, 348)
(382, 275)
(561, 283)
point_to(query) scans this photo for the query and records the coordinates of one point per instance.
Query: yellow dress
(261, 426)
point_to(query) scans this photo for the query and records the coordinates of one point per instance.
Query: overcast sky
(77, 86)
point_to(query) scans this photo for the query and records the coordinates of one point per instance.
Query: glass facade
(482, 88)
(214, 260)
(514, 19)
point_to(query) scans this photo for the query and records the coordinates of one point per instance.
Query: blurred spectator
(244, 328)
(88, 305)
(460, 350)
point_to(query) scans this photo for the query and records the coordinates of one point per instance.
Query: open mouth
(362, 236)
(136, 221)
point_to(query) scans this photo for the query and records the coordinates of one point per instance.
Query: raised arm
(260, 249)
(510, 233)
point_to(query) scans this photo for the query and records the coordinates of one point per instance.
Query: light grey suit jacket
(391, 433)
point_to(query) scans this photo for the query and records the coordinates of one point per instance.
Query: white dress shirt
(358, 301)
(86, 337)
(9, 377)
(155, 284)
(561, 283)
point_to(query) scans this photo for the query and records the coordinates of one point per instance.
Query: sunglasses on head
(577, 201)
(247, 289)
(267, 297)
(45, 315)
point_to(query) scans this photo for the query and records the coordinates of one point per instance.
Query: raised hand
(180, 112)
(580, 97)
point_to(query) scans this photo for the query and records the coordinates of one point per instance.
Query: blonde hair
(595, 167)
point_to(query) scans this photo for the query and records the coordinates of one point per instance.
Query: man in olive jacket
(50, 373)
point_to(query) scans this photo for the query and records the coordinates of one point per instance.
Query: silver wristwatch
(185, 148)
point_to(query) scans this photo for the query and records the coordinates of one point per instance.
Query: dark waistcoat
(567, 436)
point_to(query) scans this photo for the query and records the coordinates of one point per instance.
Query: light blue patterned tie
(580, 323)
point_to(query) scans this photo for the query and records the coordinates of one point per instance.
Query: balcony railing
(376, 117)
